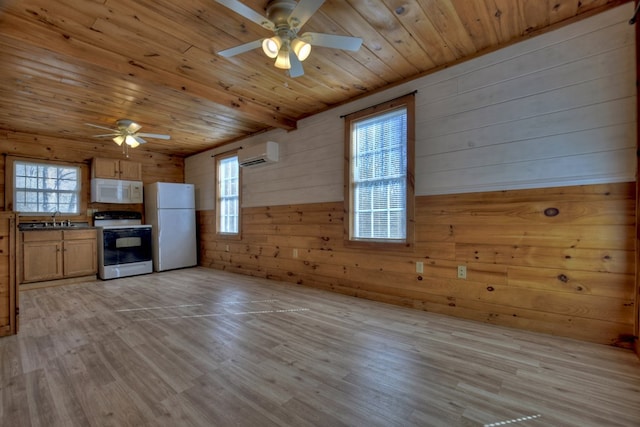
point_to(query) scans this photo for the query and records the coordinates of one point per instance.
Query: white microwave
(116, 191)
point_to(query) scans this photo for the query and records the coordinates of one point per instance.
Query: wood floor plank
(201, 347)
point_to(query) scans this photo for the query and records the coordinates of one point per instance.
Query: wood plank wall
(155, 167)
(554, 110)
(571, 274)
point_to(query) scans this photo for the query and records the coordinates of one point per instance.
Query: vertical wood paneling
(636, 329)
(8, 289)
(571, 274)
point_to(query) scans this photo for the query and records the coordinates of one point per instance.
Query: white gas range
(124, 244)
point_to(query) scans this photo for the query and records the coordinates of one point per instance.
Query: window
(228, 200)
(379, 148)
(46, 188)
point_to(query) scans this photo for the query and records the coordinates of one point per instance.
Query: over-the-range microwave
(116, 191)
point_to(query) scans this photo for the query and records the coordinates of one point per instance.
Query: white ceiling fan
(127, 132)
(285, 18)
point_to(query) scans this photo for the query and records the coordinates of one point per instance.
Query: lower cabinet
(58, 254)
(79, 254)
(41, 255)
(8, 289)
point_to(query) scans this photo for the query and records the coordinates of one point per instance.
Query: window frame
(10, 187)
(220, 234)
(407, 102)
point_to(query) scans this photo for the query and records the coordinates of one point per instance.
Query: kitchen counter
(35, 226)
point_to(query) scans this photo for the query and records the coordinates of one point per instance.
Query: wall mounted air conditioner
(259, 154)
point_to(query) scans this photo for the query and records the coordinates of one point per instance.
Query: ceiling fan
(285, 18)
(127, 132)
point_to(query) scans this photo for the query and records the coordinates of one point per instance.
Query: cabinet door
(130, 171)
(8, 291)
(41, 261)
(106, 168)
(80, 257)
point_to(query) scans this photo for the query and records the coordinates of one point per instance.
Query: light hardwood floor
(201, 347)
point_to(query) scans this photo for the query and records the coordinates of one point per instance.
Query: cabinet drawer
(41, 236)
(79, 234)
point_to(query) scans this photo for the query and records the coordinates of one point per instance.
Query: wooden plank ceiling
(66, 63)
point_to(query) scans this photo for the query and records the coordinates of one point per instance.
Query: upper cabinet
(116, 169)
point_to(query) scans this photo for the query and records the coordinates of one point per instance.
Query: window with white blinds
(380, 147)
(379, 176)
(228, 195)
(46, 188)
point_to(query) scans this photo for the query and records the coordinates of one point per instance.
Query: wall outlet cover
(462, 272)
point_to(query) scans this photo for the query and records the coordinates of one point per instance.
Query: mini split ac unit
(259, 154)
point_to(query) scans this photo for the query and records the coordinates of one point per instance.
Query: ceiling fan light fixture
(131, 141)
(285, 18)
(118, 139)
(283, 60)
(271, 46)
(301, 48)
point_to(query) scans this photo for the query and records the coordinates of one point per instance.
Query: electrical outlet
(226, 248)
(462, 272)
(419, 267)
(295, 253)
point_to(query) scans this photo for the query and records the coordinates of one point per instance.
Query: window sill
(228, 236)
(381, 245)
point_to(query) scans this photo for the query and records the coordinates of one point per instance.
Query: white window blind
(46, 188)
(228, 193)
(379, 176)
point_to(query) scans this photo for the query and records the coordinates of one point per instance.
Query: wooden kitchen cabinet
(41, 255)
(58, 254)
(8, 289)
(116, 169)
(80, 257)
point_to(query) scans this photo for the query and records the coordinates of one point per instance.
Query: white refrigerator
(170, 209)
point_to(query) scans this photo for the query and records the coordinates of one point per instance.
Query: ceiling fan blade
(296, 69)
(100, 127)
(105, 135)
(332, 41)
(133, 127)
(247, 12)
(240, 49)
(153, 135)
(139, 140)
(303, 11)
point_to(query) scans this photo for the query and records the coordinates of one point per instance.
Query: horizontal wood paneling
(70, 62)
(201, 169)
(555, 110)
(155, 166)
(571, 274)
(558, 109)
